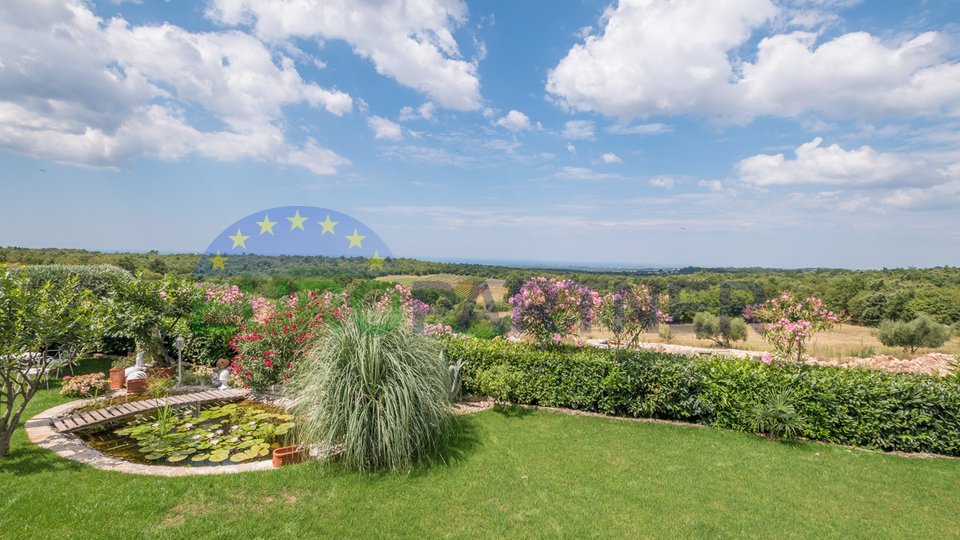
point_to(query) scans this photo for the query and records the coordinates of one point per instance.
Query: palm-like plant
(776, 414)
(376, 389)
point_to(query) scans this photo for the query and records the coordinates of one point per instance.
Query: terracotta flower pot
(117, 377)
(136, 386)
(163, 372)
(287, 455)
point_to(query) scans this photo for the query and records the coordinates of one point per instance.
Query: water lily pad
(200, 457)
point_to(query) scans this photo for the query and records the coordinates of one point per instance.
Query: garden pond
(206, 435)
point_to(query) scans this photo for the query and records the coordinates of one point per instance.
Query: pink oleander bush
(84, 386)
(789, 323)
(401, 298)
(550, 310)
(269, 347)
(630, 311)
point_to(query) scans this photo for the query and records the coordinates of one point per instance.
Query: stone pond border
(68, 446)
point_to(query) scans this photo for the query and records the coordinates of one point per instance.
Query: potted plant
(287, 455)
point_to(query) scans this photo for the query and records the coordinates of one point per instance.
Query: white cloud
(571, 148)
(610, 157)
(712, 185)
(584, 173)
(578, 129)
(514, 121)
(384, 128)
(664, 182)
(654, 128)
(78, 89)
(942, 195)
(645, 63)
(315, 158)
(424, 112)
(411, 42)
(815, 164)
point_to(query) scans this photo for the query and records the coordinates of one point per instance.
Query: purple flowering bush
(630, 311)
(549, 310)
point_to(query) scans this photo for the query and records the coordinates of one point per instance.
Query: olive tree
(721, 330)
(34, 322)
(923, 331)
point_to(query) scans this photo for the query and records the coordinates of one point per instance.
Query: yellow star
(376, 261)
(328, 226)
(266, 226)
(296, 222)
(239, 240)
(218, 261)
(355, 240)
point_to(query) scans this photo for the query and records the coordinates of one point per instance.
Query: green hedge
(874, 409)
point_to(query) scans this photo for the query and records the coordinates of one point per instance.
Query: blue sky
(785, 134)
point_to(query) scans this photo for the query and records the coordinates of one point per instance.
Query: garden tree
(721, 330)
(788, 322)
(923, 331)
(629, 312)
(34, 321)
(147, 311)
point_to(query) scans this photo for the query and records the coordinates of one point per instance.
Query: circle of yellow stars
(239, 239)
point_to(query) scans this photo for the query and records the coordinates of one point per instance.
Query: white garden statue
(138, 370)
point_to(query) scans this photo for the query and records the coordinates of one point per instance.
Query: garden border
(40, 431)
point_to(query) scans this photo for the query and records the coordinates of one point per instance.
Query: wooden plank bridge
(77, 422)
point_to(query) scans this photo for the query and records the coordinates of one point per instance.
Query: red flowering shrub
(268, 348)
(83, 386)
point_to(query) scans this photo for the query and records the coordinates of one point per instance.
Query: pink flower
(767, 358)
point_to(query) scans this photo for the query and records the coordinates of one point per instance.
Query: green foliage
(874, 409)
(776, 415)
(35, 320)
(100, 279)
(498, 382)
(721, 330)
(147, 311)
(922, 331)
(376, 388)
(485, 329)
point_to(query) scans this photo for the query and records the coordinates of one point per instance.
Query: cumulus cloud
(610, 157)
(653, 128)
(832, 165)
(578, 129)
(945, 194)
(384, 128)
(78, 89)
(664, 182)
(411, 42)
(646, 63)
(711, 185)
(514, 121)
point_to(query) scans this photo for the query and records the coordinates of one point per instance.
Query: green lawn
(514, 474)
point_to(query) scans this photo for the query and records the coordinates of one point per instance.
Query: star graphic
(218, 261)
(376, 261)
(327, 226)
(355, 240)
(239, 239)
(296, 222)
(266, 226)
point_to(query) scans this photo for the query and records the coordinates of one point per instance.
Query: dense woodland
(867, 296)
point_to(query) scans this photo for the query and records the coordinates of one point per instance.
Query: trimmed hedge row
(874, 409)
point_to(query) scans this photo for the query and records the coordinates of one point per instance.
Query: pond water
(208, 435)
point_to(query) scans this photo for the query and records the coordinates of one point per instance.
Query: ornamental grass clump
(376, 389)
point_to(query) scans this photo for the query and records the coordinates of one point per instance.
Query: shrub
(268, 350)
(874, 409)
(922, 331)
(84, 386)
(789, 322)
(721, 330)
(776, 415)
(628, 312)
(551, 309)
(378, 389)
(99, 279)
